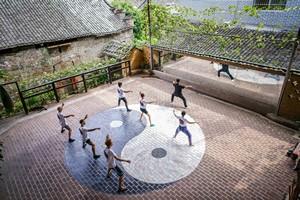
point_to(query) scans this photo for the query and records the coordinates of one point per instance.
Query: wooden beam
(59, 45)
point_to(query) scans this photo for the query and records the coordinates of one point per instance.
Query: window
(270, 4)
(57, 49)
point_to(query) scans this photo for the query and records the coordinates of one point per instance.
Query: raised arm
(66, 116)
(188, 86)
(174, 113)
(191, 122)
(122, 160)
(93, 129)
(127, 91)
(149, 102)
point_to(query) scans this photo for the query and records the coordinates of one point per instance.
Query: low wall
(243, 102)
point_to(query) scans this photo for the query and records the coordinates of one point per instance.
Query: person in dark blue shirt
(178, 91)
(226, 70)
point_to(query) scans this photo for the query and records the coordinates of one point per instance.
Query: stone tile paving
(244, 154)
(204, 73)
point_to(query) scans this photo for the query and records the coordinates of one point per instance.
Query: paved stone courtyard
(259, 86)
(241, 154)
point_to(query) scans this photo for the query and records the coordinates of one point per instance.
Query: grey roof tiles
(26, 22)
(117, 49)
(244, 50)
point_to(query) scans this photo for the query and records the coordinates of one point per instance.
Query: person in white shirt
(121, 95)
(63, 122)
(111, 163)
(182, 126)
(143, 105)
(85, 138)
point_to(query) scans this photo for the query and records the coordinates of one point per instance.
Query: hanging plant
(6, 99)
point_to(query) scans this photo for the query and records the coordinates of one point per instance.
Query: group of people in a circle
(108, 152)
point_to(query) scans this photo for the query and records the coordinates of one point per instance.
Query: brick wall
(31, 61)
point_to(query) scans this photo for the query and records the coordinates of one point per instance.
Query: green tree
(130, 10)
(163, 21)
(166, 24)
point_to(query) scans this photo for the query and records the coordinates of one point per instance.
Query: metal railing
(19, 91)
(54, 87)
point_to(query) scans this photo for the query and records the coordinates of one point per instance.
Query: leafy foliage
(1, 157)
(163, 21)
(49, 97)
(130, 10)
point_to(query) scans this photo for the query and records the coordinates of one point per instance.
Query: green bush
(49, 97)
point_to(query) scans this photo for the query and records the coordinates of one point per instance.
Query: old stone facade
(33, 40)
(34, 60)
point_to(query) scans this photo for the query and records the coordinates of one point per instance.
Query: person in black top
(226, 70)
(178, 91)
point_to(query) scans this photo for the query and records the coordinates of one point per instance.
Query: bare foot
(122, 189)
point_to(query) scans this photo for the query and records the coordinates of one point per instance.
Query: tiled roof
(117, 49)
(24, 22)
(244, 52)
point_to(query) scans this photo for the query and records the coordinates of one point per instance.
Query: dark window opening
(270, 4)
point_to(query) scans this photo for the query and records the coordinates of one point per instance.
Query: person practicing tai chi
(121, 95)
(85, 138)
(143, 105)
(225, 68)
(178, 91)
(63, 122)
(182, 126)
(111, 163)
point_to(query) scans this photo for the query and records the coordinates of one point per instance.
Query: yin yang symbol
(157, 158)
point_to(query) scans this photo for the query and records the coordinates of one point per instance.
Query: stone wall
(31, 61)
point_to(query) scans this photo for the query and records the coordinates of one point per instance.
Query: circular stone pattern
(92, 173)
(152, 150)
(180, 159)
(159, 153)
(116, 124)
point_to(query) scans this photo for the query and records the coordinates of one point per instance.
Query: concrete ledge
(136, 72)
(141, 71)
(243, 102)
(283, 121)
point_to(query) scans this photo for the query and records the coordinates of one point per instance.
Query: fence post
(22, 98)
(129, 68)
(159, 58)
(84, 83)
(109, 75)
(55, 92)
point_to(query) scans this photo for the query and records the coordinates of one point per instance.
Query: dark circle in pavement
(92, 173)
(159, 153)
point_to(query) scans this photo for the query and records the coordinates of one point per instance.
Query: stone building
(43, 36)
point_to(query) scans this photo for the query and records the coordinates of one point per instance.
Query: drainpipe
(287, 74)
(150, 38)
